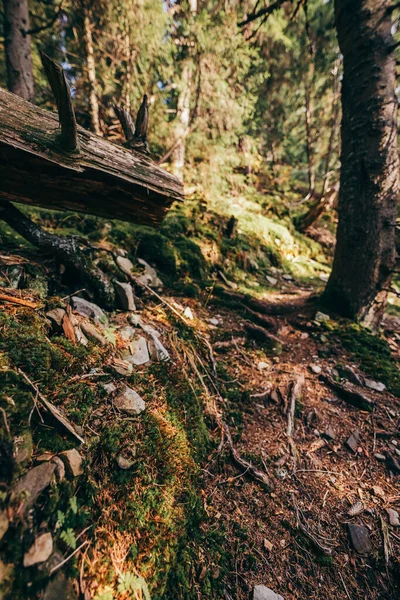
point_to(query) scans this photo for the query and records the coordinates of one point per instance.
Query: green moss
(373, 353)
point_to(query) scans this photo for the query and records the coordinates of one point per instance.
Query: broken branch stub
(62, 94)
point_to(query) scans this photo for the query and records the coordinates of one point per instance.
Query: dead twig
(305, 531)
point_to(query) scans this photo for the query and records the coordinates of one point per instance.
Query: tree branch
(266, 11)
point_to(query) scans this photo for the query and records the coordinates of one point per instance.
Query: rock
(40, 551)
(109, 388)
(73, 462)
(139, 353)
(329, 434)
(27, 489)
(271, 280)
(156, 349)
(321, 317)
(124, 463)
(188, 313)
(149, 276)
(353, 441)
(88, 309)
(15, 275)
(262, 365)
(125, 265)
(359, 537)
(127, 333)
(393, 517)
(315, 369)
(262, 592)
(129, 402)
(80, 336)
(380, 457)
(23, 447)
(60, 468)
(349, 373)
(4, 523)
(122, 367)
(60, 588)
(378, 491)
(356, 508)
(304, 335)
(56, 316)
(93, 333)
(375, 385)
(392, 463)
(125, 295)
(213, 321)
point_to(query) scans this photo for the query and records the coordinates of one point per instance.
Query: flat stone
(124, 463)
(188, 313)
(262, 365)
(127, 333)
(213, 321)
(157, 350)
(125, 295)
(56, 315)
(4, 523)
(329, 434)
(320, 317)
(73, 462)
(93, 333)
(359, 537)
(40, 551)
(88, 309)
(353, 441)
(377, 386)
(28, 489)
(109, 388)
(393, 517)
(262, 592)
(315, 369)
(139, 353)
(125, 265)
(380, 457)
(129, 402)
(271, 280)
(122, 367)
(149, 276)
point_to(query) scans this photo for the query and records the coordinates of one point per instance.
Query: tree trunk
(183, 111)
(369, 180)
(91, 72)
(309, 140)
(18, 48)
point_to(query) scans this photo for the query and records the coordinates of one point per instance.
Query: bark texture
(17, 44)
(369, 180)
(101, 179)
(91, 72)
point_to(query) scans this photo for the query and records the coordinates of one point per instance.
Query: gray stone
(60, 468)
(125, 295)
(262, 592)
(73, 462)
(109, 388)
(349, 373)
(188, 313)
(88, 309)
(80, 336)
(149, 277)
(353, 441)
(377, 386)
(320, 317)
(27, 489)
(125, 265)
(359, 537)
(213, 321)
(157, 350)
(122, 367)
(23, 447)
(93, 333)
(4, 523)
(271, 280)
(40, 551)
(393, 517)
(329, 434)
(56, 316)
(139, 353)
(380, 457)
(124, 463)
(129, 402)
(315, 369)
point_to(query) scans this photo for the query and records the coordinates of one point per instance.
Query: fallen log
(39, 166)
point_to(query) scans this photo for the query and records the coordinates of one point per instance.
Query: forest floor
(164, 493)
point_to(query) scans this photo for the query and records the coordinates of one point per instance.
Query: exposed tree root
(65, 249)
